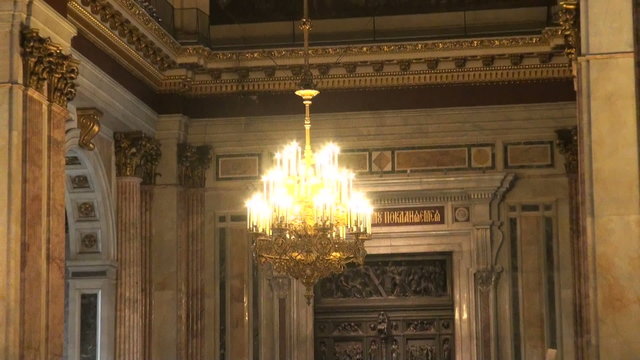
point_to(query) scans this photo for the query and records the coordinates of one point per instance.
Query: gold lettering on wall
(428, 215)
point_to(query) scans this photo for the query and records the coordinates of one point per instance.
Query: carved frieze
(395, 279)
(568, 146)
(137, 155)
(46, 64)
(89, 125)
(193, 162)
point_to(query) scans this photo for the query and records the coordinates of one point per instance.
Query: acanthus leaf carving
(568, 145)
(46, 64)
(137, 155)
(193, 162)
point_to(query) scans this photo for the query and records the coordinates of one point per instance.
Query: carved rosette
(137, 155)
(568, 145)
(46, 64)
(568, 18)
(193, 161)
(89, 125)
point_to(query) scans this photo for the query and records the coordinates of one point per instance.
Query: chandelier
(308, 222)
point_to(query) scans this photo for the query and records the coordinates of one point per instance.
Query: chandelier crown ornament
(308, 222)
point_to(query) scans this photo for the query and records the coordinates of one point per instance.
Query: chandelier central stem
(308, 154)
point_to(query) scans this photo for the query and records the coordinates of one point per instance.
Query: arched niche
(90, 256)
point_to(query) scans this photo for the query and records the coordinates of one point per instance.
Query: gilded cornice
(545, 39)
(46, 64)
(125, 31)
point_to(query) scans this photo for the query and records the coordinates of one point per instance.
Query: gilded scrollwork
(89, 125)
(46, 64)
(568, 16)
(137, 155)
(193, 162)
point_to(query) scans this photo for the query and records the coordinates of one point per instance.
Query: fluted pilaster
(129, 301)
(193, 163)
(136, 158)
(146, 200)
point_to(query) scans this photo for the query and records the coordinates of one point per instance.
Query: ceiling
(224, 12)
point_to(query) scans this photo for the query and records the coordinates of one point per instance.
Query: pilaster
(193, 161)
(609, 180)
(32, 238)
(136, 157)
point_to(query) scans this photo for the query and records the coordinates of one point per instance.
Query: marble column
(36, 82)
(135, 155)
(193, 162)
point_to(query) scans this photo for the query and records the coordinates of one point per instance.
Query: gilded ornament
(89, 241)
(80, 182)
(45, 63)
(86, 210)
(568, 18)
(515, 59)
(137, 155)
(89, 125)
(193, 162)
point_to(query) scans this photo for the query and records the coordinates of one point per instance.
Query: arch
(91, 248)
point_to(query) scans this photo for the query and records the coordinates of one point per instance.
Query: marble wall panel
(238, 167)
(530, 154)
(432, 159)
(356, 161)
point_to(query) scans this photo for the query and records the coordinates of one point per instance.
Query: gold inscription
(433, 215)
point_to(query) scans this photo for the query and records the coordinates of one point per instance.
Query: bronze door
(396, 307)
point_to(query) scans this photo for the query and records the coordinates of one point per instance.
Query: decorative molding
(137, 155)
(89, 125)
(123, 29)
(46, 64)
(193, 162)
(129, 32)
(568, 146)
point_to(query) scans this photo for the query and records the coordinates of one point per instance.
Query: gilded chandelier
(308, 222)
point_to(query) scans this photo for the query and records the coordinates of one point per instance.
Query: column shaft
(192, 263)
(146, 200)
(129, 300)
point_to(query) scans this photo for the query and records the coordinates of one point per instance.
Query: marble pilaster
(193, 162)
(136, 158)
(32, 239)
(146, 236)
(609, 180)
(129, 300)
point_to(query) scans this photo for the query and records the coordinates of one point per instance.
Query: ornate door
(396, 307)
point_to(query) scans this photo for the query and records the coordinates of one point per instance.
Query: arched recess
(90, 254)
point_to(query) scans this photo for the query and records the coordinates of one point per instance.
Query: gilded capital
(568, 145)
(193, 162)
(137, 155)
(46, 64)
(89, 125)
